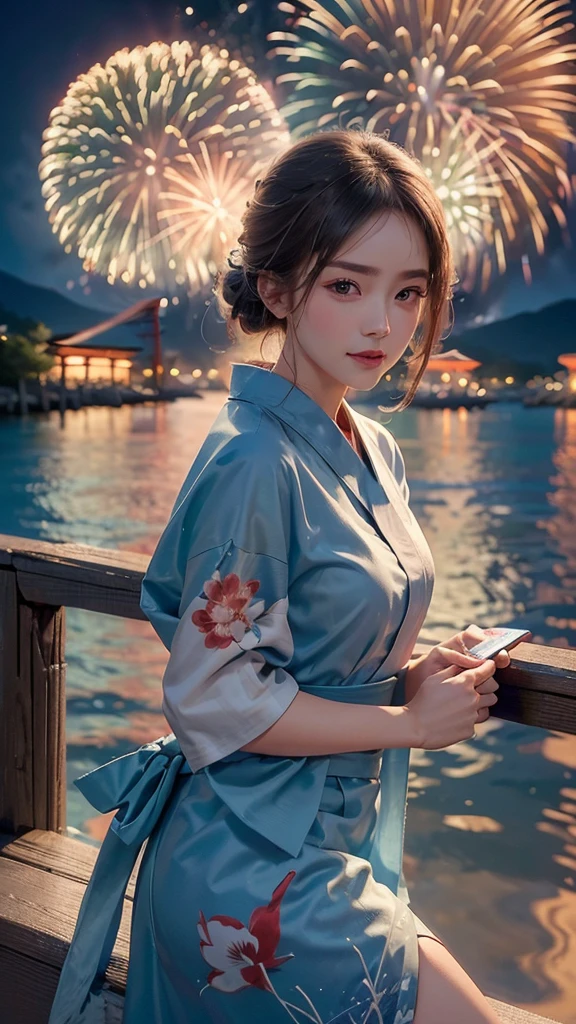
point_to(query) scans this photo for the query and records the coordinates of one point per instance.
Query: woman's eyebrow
(362, 268)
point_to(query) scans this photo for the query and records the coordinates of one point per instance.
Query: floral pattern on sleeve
(225, 617)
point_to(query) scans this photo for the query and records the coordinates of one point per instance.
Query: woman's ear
(274, 294)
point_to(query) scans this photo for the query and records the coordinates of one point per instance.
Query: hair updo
(312, 198)
(239, 290)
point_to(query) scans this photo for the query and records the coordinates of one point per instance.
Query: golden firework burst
(502, 73)
(149, 159)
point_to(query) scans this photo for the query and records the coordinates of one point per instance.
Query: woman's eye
(414, 291)
(343, 281)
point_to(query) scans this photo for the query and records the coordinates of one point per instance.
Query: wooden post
(157, 354)
(32, 712)
(44, 399)
(62, 386)
(22, 396)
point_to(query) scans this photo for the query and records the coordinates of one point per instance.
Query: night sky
(45, 47)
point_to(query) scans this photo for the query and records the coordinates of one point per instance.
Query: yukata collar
(292, 405)
(378, 494)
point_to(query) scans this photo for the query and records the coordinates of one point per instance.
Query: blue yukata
(271, 887)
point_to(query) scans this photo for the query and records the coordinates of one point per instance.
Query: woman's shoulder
(244, 436)
(242, 452)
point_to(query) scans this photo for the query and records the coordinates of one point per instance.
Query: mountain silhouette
(530, 342)
(50, 307)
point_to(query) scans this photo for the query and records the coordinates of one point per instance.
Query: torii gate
(143, 310)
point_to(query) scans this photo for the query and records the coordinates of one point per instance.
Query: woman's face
(374, 305)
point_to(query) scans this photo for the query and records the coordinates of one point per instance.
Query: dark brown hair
(312, 198)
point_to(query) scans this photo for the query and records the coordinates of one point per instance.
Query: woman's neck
(326, 391)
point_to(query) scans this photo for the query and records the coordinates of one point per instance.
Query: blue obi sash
(278, 797)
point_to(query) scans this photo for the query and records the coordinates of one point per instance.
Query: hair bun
(234, 282)
(240, 291)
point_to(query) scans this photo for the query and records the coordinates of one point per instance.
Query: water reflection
(559, 594)
(501, 524)
(491, 831)
(109, 478)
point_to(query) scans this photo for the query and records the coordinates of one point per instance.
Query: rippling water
(491, 832)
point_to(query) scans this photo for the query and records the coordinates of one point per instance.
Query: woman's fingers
(486, 700)
(472, 635)
(502, 660)
(488, 686)
(457, 659)
(453, 657)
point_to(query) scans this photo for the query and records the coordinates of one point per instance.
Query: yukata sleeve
(225, 682)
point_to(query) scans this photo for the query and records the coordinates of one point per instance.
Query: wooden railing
(42, 872)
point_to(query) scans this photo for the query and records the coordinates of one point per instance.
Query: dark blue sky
(45, 47)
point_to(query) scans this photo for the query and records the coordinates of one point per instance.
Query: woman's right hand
(450, 703)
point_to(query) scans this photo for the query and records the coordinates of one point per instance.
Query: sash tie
(278, 797)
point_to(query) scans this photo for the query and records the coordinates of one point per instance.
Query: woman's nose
(378, 324)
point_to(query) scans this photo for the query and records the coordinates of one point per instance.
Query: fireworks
(469, 196)
(498, 74)
(149, 160)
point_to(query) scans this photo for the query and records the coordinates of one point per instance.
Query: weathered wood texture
(39, 903)
(58, 855)
(37, 922)
(32, 711)
(76, 575)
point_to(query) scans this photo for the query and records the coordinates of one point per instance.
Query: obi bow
(278, 797)
(138, 785)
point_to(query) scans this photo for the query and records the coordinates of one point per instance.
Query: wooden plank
(57, 854)
(45, 628)
(10, 778)
(101, 579)
(37, 920)
(28, 988)
(76, 575)
(82, 593)
(542, 669)
(73, 554)
(32, 745)
(17, 790)
(530, 707)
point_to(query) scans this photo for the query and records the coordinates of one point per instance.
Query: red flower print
(224, 610)
(235, 952)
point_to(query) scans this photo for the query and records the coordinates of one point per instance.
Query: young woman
(290, 586)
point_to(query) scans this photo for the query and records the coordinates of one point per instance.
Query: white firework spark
(149, 159)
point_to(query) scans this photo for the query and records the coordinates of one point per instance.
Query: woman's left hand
(449, 652)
